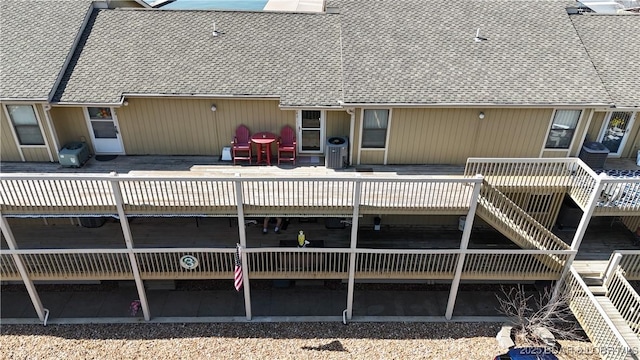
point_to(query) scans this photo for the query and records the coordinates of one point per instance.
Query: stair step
(592, 280)
(598, 290)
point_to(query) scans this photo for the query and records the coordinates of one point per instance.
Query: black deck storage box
(594, 154)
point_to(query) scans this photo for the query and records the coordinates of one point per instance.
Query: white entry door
(615, 131)
(103, 127)
(311, 129)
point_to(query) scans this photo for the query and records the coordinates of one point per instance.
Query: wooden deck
(304, 166)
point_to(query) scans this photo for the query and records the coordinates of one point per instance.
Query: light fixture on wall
(481, 115)
(125, 103)
(213, 107)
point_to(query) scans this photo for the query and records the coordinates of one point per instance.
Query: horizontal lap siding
(450, 136)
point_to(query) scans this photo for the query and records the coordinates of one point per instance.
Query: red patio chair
(241, 145)
(287, 145)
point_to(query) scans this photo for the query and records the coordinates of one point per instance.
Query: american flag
(237, 276)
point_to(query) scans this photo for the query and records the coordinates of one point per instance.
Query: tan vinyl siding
(338, 123)
(554, 153)
(372, 157)
(174, 126)
(70, 125)
(36, 154)
(46, 132)
(595, 126)
(450, 136)
(632, 146)
(8, 149)
(577, 135)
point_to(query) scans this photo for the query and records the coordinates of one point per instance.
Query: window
(562, 129)
(26, 124)
(374, 128)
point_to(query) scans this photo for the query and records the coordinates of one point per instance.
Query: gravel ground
(464, 341)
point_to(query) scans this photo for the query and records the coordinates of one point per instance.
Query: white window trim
(386, 140)
(15, 135)
(573, 139)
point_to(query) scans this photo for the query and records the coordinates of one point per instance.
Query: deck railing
(593, 319)
(444, 193)
(523, 172)
(619, 196)
(405, 264)
(511, 220)
(281, 263)
(583, 184)
(630, 263)
(624, 297)
(70, 194)
(501, 264)
(62, 264)
(45, 194)
(288, 263)
(170, 264)
(189, 194)
(8, 268)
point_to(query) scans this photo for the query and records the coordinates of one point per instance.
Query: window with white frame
(374, 128)
(24, 121)
(562, 129)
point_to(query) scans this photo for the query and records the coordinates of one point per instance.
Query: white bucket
(461, 222)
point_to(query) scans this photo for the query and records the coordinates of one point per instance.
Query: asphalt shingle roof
(423, 52)
(295, 56)
(35, 38)
(613, 43)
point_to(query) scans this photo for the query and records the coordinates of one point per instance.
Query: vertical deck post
(582, 228)
(464, 244)
(614, 262)
(128, 239)
(31, 289)
(354, 243)
(242, 233)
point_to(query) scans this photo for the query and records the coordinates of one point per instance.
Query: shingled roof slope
(35, 39)
(294, 56)
(423, 52)
(613, 43)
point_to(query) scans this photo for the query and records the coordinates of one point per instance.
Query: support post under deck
(354, 243)
(128, 239)
(464, 244)
(242, 233)
(31, 289)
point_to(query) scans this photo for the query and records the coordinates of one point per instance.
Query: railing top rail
(523, 160)
(599, 308)
(626, 252)
(190, 176)
(113, 251)
(618, 180)
(290, 249)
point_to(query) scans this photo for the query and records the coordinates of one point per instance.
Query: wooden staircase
(592, 273)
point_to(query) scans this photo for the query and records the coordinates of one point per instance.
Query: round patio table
(264, 140)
